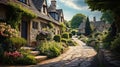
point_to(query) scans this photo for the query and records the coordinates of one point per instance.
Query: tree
(88, 29)
(107, 16)
(77, 20)
(105, 5)
(114, 7)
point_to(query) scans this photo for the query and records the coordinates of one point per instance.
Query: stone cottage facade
(99, 26)
(30, 28)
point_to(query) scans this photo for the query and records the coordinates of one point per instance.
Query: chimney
(53, 4)
(94, 19)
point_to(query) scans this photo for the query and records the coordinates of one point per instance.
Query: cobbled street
(76, 56)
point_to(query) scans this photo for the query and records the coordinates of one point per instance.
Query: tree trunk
(117, 22)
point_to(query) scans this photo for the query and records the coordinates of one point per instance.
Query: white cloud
(48, 1)
(71, 4)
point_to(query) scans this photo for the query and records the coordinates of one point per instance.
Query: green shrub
(51, 49)
(73, 32)
(65, 35)
(70, 35)
(42, 35)
(14, 43)
(64, 40)
(51, 25)
(50, 36)
(71, 43)
(26, 60)
(57, 38)
(116, 44)
(84, 39)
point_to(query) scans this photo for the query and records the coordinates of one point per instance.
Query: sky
(72, 7)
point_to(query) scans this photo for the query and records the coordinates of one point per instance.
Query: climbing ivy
(15, 13)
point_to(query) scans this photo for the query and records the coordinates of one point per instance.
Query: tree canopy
(105, 5)
(88, 29)
(107, 17)
(77, 20)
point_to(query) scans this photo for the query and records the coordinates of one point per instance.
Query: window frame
(35, 25)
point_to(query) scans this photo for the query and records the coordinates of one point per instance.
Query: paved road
(76, 56)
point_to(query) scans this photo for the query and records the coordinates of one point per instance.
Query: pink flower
(13, 54)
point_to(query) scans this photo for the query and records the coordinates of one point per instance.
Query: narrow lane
(76, 56)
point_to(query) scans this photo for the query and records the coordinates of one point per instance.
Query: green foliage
(88, 29)
(70, 35)
(43, 35)
(83, 38)
(71, 43)
(51, 49)
(63, 26)
(50, 36)
(57, 38)
(65, 35)
(108, 17)
(67, 23)
(74, 32)
(106, 5)
(13, 43)
(77, 20)
(26, 60)
(16, 11)
(116, 44)
(50, 24)
(25, 11)
(13, 59)
(64, 40)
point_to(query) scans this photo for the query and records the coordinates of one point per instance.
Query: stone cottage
(99, 26)
(29, 28)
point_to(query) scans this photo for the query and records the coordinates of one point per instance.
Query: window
(54, 15)
(44, 9)
(24, 1)
(61, 19)
(34, 25)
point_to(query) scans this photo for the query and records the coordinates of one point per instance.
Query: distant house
(29, 28)
(81, 28)
(99, 26)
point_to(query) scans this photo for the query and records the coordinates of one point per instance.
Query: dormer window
(23, 1)
(44, 9)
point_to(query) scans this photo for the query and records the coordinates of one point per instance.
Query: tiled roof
(34, 8)
(38, 3)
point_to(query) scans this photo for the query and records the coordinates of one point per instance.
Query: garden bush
(70, 35)
(18, 58)
(65, 35)
(42, 35)
(116, 44)
(71, 43)
(57, 38)
(51, 49)
(64, 40)
(26, 60)
(50, 36)
(13, 43)
(73, 32)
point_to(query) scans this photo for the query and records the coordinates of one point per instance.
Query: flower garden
(47, 44)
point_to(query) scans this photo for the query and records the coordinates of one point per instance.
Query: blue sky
(72, 7)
